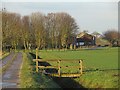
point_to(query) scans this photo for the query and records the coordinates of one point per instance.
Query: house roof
(84, 37)
(83, 34)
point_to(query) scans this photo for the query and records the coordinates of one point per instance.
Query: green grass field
(100, 59)
(94, 60)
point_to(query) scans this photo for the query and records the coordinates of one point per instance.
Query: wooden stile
(58, 67)
(36, 59)
(80, 68)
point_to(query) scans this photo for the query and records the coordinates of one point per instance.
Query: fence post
(59, 68)
(81, 68)
(36, 59)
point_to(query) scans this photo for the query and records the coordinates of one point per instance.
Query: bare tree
(15, 29)
(4, 28)
(112, 36)
(10, 28)
(55, 29)
(25, 31)
(52, 23)
(68, 28)
(37, 21)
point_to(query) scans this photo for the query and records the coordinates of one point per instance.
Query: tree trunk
(66, 46)
(74, 47)
(58, 47)
(111, 43)
(25, 45)
(15, 47)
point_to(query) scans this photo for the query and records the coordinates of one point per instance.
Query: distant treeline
(53, 30)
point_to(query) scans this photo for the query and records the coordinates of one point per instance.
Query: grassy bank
(5, 55)
(99, 79)
(30, 79)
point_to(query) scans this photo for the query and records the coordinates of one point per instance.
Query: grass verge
(30, 79)
(5, 55)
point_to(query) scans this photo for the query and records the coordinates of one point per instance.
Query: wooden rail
(48, 67)
(58, 67)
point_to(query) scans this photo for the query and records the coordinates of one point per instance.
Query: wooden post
(10, 50)
(36, 59)
(81, 68)
(59, 68)
(74, 47)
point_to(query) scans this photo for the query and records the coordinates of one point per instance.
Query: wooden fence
(58, 67)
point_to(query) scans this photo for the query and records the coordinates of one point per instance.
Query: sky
(92, 16)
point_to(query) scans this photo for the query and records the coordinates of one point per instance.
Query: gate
(59, 66)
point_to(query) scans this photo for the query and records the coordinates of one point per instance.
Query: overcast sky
(91, 16)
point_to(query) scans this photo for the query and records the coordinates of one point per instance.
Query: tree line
(53, 30)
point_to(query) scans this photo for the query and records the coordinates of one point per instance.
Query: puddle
(7, 76)
(6, 84)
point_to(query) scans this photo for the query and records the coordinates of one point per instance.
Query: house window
(77, 44)
(81, 43)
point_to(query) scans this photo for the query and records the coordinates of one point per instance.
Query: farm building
(85, 39)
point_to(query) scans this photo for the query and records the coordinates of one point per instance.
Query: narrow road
(10, 79)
